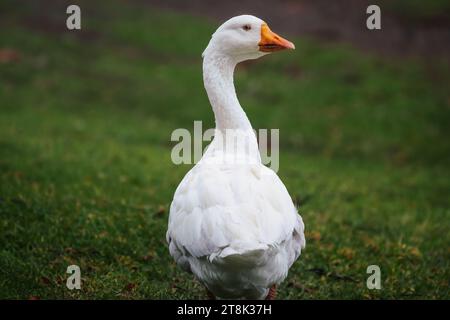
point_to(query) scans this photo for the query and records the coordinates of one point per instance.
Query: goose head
(246, 37)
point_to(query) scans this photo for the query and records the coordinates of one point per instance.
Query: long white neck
(231, 120)
(218, 73)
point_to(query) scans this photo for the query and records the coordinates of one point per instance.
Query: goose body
(232, 222)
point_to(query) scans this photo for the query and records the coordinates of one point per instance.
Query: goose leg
(272, 293)
(210, 294)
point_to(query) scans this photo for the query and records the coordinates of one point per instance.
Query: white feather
(232, 222)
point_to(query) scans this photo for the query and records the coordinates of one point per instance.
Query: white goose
(232, 222)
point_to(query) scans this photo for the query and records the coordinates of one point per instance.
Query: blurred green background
(86, 117)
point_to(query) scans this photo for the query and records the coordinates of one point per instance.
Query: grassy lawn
(86, 176)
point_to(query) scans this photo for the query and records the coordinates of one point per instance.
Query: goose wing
(221, 211)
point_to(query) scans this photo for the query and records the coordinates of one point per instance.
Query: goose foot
(272, 293)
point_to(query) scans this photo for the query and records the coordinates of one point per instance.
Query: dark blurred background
(408, 27)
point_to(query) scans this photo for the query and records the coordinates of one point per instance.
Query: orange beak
(271, 42)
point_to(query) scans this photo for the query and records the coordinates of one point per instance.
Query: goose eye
(246, 27)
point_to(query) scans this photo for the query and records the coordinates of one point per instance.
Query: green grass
(86, 176)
